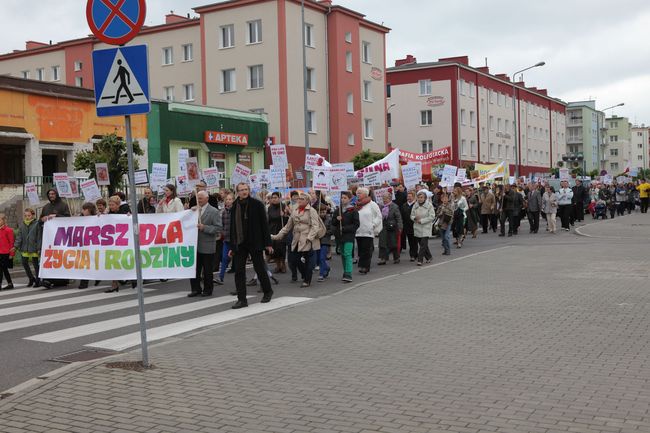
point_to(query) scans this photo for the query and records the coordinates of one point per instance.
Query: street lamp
(602, 160)
(514, 112)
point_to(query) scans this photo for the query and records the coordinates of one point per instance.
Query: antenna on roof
(486, 62)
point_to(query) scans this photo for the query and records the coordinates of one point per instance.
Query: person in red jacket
(6, 252)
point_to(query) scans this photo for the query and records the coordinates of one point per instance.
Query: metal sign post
(122, 73)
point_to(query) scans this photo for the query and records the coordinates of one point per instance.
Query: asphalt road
(31, 336)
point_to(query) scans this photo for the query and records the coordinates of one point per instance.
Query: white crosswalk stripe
(121, 322)
(84, 312)
(165, 331)
(52, 293)
(65, 302)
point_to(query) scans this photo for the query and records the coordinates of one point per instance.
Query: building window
(500, 151)
(367, 91)
(365, 52)
(78, 65)
(188, 53)
(463, 147)
(640, 157)
(311, 121)
(425, 87)
(389, 120)
(388, 90)
(473, 147)
(472, 90)
(254, 31)
(491, 123)
(169, 93)
(499, 125)
(309, 36)
(350, 103)
(492, 150)
(613, 124)
(491, 96)
(472, 119)
(256, 77)
(426, 117)
(348, 61)
(499, 99)
(228, 80)
(227, 36)
(56, 73)
(40, 74)
(507, 152)
(25, 74)
(613, 152)
(613, 138)
(614, 166)
(508, 100)
(427, 146)
(350, 139)
(462, 87)
(188, 92)
(463, 117)
(311, 79)
(79, 81)
(367, 129)
(640, 145)
(168, 56)
(348, 37)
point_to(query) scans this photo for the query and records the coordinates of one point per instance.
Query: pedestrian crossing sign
(121, 81)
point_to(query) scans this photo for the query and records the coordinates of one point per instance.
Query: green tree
(594, 173)
(111, 149)
(366, 158)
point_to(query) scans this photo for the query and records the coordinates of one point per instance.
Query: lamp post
(602, 163)
(514, 112)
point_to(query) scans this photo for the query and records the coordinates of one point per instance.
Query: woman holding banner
(54, 208)
(28, 242)
(116, 207)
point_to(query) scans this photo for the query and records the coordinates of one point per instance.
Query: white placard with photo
(32, 193)
(62, 185)
(279, 156)
(240, 174)
(90, 190)
(101, 174)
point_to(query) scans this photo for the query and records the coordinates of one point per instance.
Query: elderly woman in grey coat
(391, 230)
(423, 216)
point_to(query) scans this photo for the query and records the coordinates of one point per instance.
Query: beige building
(247, 55)
(640, 146)
(618, 150)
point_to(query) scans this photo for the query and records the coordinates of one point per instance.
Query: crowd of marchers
(298, 232)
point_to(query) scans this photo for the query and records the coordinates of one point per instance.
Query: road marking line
(121, 322)
(74, 314)
(65, 302)
(51, 293)
(165, 331)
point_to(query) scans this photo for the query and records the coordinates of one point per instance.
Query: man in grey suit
(534, 207)
(209, 225)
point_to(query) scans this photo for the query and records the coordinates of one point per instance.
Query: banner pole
(136, 244)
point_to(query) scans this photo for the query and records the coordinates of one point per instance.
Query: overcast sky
(592, 48)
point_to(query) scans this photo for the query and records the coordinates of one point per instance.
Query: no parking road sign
(115, 22)
(121, 81)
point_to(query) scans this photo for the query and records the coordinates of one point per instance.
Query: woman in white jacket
(423, 214)
(170, 203)
(370, 225)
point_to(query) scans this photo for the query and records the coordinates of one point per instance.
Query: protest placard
(240, 174)
(32, 193)
(183, 156)
(448, 175)
(101, 174)
(564, 174)
(141, 177)
(371, 179)
(412, 174)
(62, 185)
(279, 156)
(72, 249)
(278, 177)
(192, 171)
(381, 192)
(461, 175)
(338, 179)
(183, 187)
(322, 179)
(90, 190)
(211, 177)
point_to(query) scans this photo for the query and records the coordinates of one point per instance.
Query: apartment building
(585, 132)
(618, 150)
(247, 55)
(449, 103)
(640, 146)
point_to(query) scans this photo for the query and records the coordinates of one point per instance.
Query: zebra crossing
(93, 319)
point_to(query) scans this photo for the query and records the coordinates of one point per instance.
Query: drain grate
(129, 365)
(82, 355)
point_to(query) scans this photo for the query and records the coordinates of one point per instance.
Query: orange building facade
(43, 126)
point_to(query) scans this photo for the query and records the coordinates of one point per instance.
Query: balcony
(574, 139)
(574, 121)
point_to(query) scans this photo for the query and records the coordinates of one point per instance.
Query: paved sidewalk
(633, 226)
(542, 338)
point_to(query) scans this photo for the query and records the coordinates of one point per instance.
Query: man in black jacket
(407, 232)
(578, 200)
(249, 236)
(508, 210)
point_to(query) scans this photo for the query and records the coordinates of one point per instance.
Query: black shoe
(206, 295)
(218, 282)
(275, 280)
(134, 284)
(396, 261)
(233, 293)
(117, 289)
(8, 287)
(47, 284)
(31, 283)
(383, 262)
(501, 234)
(509, 234)
(97, 283)
(230, 271)
(239, 304)
(252, 282)
(37, 283)
(194, 294)
(294, 279)
(267, 298)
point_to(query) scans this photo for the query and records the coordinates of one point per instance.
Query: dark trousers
(579, 211)
(292, 261)
(494, 222)
(305, 264)
(239, 262)
(620, 208)
(205, 264)
(366, 248)
(4, 269)
(413, 245)
(424, 253)
(218, 256)
(485, 221)
(644, 205)
(533, 219)
(510, 217)
(565, 215)
(28, 271)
